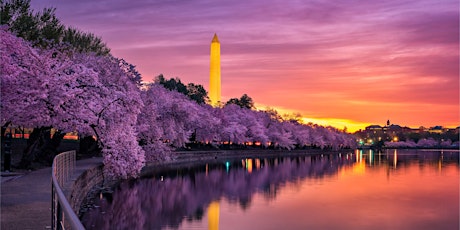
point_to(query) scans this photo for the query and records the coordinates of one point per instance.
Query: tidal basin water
(362, 189)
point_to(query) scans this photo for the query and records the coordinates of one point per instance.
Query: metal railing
(63, 216)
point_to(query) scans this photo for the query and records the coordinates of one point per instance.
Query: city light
(249, 165)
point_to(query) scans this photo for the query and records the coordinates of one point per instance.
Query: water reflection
(213, 215)
(183, 197)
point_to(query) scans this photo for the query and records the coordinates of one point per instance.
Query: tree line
(96, 94)
(198, 93)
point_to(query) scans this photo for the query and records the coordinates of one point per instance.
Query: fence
(63, 216)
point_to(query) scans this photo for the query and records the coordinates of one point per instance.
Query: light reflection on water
(393, 189)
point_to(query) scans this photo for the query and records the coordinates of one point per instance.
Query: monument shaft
(214, 73)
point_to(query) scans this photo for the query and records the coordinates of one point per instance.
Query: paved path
(26, 198)
(26, 201)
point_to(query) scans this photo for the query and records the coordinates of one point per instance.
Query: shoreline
(190, 158)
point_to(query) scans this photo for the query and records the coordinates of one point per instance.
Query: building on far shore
(375, 134)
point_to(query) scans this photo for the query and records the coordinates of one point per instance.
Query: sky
(338, 62)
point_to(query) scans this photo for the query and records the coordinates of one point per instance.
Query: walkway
(26, 198)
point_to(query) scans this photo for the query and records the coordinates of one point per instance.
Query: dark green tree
(234, 101)
(84, 42)
(173, 84)
(244, 102)
(41, 28)
(293, 117)
(44, 30)
(195, 92)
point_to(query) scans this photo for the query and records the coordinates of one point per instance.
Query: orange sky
(342, 63)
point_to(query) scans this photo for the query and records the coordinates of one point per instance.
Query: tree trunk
(4, 128)
(31, 151)
(89, 147)
(49, 149)
(40, 147)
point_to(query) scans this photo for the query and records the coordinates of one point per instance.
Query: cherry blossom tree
(108, 106)
(277, 130)
(400, 144)
(123, 157)
(233, 129)
(427, 143)
(256, 132)
(72, 92)
(167, 121)
(446, 143)
(23, 84)
(208, 127)
(300, 133)
(31, 95)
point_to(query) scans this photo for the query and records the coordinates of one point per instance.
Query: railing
(62, 215)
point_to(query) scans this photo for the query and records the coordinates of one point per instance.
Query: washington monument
(214, 73)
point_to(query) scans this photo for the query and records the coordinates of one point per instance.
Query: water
(395, 189)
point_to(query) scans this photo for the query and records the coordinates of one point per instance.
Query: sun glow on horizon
(339, 123)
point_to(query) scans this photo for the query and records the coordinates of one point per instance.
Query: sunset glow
(339, 63)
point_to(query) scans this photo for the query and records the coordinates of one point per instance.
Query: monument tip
(215, 39)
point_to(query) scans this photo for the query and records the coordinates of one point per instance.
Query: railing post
(53, 206)
(58, 217)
